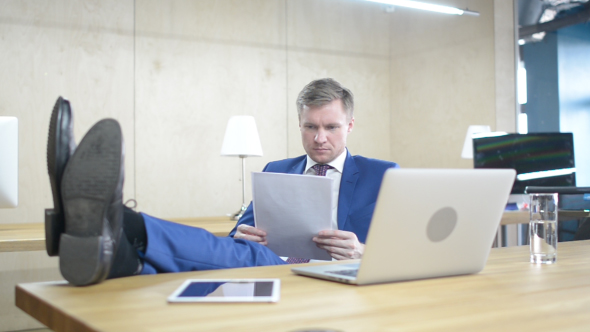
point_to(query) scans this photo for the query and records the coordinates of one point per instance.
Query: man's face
(324, 130)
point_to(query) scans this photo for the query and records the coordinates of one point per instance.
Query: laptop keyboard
(350, 273)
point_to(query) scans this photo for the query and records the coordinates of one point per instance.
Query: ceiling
(536, 17)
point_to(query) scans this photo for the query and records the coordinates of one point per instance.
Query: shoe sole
(57, 158)
(89, 182)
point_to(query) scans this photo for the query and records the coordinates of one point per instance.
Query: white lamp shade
(468, 144)
(241, 137)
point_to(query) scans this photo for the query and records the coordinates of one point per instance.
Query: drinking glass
(543, 228)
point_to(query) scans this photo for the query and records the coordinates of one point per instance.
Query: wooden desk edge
(22, 245)
(514, 218)
(35, 239)
(45, 313)
(222, 225)
(523, 216)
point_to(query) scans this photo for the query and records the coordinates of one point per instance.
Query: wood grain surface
(509, 294)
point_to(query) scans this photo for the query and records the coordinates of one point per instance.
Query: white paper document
(292, 209)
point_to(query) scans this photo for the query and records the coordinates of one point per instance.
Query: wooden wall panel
(81, 50)
(442, 74)
(193, 74)
(350, 43)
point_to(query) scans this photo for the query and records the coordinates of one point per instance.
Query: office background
(173, 72)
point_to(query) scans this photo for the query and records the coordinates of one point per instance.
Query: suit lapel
(299, 167)
(350, 175)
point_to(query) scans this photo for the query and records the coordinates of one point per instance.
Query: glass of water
(543, 228)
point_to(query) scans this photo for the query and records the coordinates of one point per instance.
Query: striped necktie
(320, 170)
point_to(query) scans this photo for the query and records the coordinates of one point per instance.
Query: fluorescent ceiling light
(544, 174)
(427, 6)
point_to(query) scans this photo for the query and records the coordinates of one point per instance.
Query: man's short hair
(324, 91)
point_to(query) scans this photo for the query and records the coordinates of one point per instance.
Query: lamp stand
(240, 213)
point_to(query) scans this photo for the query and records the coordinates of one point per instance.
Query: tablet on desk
(227, 290)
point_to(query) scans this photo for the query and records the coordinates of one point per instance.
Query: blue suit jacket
(359, 187)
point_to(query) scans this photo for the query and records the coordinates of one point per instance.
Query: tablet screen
(227, 290)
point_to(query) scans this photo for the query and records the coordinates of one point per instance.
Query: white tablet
(227, 290)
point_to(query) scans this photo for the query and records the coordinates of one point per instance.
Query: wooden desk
(31, 236)
(220, 226)
(22, 237)
(510, 294)
(522, 217)
(515, 217)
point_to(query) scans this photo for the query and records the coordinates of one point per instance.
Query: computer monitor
(540, 159)
(8, 162)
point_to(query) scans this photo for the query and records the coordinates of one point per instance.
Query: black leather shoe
(60, 147)
(92, 192)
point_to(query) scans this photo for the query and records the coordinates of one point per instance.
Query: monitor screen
(540, 159)
(8, 162)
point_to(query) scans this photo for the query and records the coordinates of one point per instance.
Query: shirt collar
(337, 163)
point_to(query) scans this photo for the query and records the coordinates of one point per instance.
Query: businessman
(325, 110)
(100, 238)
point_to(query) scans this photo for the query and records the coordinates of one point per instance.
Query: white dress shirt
(335, 174)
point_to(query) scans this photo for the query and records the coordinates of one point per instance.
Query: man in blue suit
(103, 239)
(325, 110)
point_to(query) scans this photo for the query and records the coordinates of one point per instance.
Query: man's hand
(250, 233)
(340, 244)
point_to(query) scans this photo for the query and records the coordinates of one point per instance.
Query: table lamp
(241, 139)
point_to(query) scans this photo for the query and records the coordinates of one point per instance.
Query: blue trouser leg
(172, 247)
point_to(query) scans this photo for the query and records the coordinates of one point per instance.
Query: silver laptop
(427, 223)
